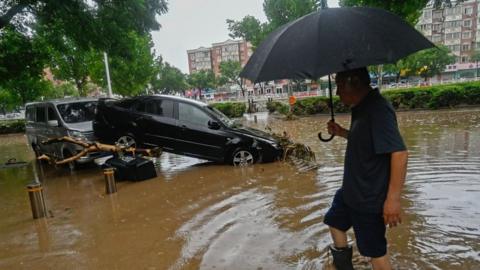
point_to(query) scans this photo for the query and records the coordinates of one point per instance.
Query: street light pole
(109, 94)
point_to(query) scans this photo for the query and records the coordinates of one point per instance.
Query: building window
(436, 38)
(427, 14)
(467, 23)
(437, 27)
(464, 59)
(466, 35)
(468, 10)
(465, 47)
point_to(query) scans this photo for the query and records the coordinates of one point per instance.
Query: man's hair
(358, 74)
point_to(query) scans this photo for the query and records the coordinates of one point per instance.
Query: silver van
(58, 118)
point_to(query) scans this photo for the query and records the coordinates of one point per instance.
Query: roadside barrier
(37, 200)
(110, 184)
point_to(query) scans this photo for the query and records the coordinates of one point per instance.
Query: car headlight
(77, 135)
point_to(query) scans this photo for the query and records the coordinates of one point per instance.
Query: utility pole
(109, 94)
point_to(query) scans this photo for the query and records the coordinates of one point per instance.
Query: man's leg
(381, 263)
(369, 231)
(339, 237)
(338, 220)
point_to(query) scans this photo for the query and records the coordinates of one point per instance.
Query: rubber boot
(342, 257)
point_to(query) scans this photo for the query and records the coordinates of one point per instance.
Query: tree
(249, 28)
(230, 73)
(202, 79)
(102, 22)
(410, 10)
(278, 12)
(22, 60)
(431, 62)
(476, 58)
(131, 71)
(167, 79)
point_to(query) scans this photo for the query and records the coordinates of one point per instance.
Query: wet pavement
(198, 215)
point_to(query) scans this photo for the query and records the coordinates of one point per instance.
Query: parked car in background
(58, 118)
(182, 126)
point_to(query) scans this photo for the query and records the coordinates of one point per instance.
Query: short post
(255, 118)
(110, 185)
(37, 201)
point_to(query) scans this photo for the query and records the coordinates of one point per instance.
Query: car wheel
(127, 141)
(242, 157)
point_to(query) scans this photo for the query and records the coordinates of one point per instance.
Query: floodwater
(197, 215)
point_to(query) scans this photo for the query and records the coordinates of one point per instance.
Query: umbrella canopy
(333, 40)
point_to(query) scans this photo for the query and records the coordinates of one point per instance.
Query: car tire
(241, 157)
(127, 140)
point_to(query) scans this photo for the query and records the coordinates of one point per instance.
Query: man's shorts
(369, 228)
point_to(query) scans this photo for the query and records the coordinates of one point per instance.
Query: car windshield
(77, 112)
(223, 118)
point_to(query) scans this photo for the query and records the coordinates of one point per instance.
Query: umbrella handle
(325, 140)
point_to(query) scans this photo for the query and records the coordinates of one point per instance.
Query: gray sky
(190, 24)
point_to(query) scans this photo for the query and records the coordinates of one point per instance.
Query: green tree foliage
(230, 74)
(22, 60)
(167, 79)
(202, 79)
(278, 12)
(95, 23)
(410, 10)
(130, 72)
(431, 62)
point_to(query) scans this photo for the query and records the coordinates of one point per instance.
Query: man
(374, 173)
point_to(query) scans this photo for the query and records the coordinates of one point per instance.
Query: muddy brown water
(197, 215)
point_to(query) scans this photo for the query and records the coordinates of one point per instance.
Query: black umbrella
(333, 40)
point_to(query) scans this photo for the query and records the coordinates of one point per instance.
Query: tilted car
(182, 126)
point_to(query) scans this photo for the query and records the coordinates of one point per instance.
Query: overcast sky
(190, 24)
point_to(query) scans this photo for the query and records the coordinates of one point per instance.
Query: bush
(231, 109)
(276, 106)
(12, 126)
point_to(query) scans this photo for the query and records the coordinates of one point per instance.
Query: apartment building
(456, 27)
(210, 58)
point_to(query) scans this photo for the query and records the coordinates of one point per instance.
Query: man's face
(345, 91)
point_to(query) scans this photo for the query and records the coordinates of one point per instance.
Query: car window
(78, 111)
(158, 107)
(165, 108)
(30, 114)
(51, 115)
(192, 114)
(40, 114)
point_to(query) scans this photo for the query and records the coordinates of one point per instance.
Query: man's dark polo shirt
(373, 136)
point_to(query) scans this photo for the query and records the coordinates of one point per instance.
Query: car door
(41, 130)
(197, 138)
(156, 121)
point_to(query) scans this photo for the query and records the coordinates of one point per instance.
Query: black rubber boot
(342, 257)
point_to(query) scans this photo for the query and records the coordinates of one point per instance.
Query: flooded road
(196, 215)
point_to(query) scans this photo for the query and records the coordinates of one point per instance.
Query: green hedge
(434, 97)
(231, 109)
(12, 126)
(277, 106)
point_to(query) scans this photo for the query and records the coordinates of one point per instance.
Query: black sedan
(182, 126)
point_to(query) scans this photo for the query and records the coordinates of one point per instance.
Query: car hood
(82, 126)
(255, 133)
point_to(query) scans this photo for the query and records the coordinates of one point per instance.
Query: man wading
(374, 173)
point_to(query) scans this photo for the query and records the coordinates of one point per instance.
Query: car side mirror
(53, 123)
(213, 124)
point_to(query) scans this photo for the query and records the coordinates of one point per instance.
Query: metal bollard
(37, 201)
(255, 118)
(110, 185)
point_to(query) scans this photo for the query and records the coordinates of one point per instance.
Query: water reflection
(198, 215)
